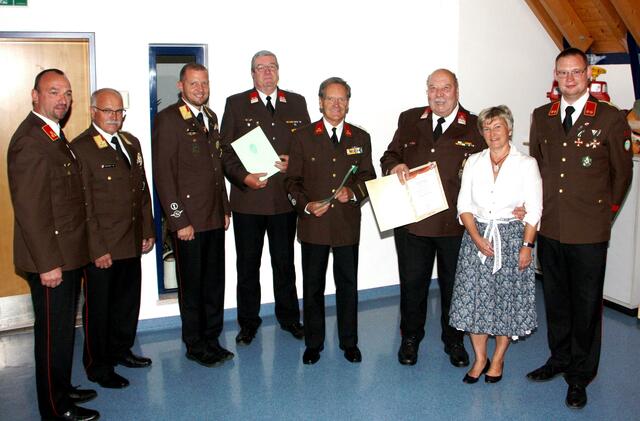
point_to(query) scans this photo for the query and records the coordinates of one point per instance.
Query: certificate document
(256, 153)
(395, 204)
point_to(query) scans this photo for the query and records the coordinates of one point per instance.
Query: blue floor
(267, 379)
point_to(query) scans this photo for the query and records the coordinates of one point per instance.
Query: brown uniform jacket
(48, 202)
(187, 169)
(413, 145)
(242, 113)
(316, 169)
(584, 173)
(118, 201)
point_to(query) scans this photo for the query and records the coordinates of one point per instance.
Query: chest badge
(586, 161)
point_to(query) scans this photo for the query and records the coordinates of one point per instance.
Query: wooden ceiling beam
(612, 19)
(570, 25)
(546, 21)
(629, 11)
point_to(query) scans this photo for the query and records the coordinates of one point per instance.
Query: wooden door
(22, 58)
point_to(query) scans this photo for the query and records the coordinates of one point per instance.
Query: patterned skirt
(496, 304)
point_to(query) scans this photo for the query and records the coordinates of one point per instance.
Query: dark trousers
(200, 269)
(416, 256)
(110, 314)
(573, 283)
(249, 233)
(55, 317)
(345, 273)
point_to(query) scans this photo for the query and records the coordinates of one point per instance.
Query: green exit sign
(13, 2)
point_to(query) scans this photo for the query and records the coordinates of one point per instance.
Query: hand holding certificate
(396, 204)
(256, 153)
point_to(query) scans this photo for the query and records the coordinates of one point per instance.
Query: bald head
(442, 92)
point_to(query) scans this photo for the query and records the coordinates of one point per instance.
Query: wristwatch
(526, 244)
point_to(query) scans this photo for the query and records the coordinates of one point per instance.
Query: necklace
(497, 164)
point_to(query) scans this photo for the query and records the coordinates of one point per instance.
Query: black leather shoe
(544, 373)
(112, 381)
(311, 355)
(78, 413)
(408, 352)
(457, 355)
(576, 396)
(206, 359)
(223, 353)
(471, 380)
(81, 395)
(296, 329)
(353, 354)
(133, 361)
(246, 335)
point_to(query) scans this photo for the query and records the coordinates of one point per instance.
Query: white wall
(384, 50)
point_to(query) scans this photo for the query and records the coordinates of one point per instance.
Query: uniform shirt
(585, 173)
(108, 138)
(273, 95)
(413, 145)
(447, 119)
(518, 184)
(197, 111)
(188, 170)
(329, 127)
(118, 201)
(316, 170)
(244, 112)
(47, 197)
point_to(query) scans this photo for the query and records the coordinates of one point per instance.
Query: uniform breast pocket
(66, 179)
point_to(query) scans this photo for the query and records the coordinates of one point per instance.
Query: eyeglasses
(563, 74)
(264, 67)
(333, 100)
(113, 113)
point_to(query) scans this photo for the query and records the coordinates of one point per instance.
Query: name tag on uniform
(356, 150)
(108, 166)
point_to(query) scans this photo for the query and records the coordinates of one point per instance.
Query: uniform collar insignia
(100, 142)
(49, 132)
(590, 108)
(186, 113)
(124, 139)
(426, 113)
(319, 129)
(254, 97)
(282, 97)
(461, 117)
(347, 130)
(555, 108)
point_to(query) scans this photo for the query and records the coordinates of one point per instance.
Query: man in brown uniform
(446, 133)
(318, 163)
(120, 228)
(261, 206)
(190, 183)
(583, 147)
(50, 241)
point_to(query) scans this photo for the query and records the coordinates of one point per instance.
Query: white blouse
(517, 184)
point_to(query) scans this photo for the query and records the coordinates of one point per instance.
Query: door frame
(16, 311)
(199, 51)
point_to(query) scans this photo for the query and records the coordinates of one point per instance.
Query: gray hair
(331, 81)
(491, 113)
(449, 72)
(262, 53)
(96, 94)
